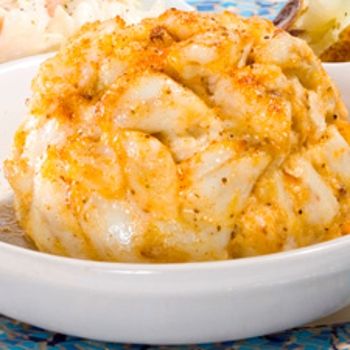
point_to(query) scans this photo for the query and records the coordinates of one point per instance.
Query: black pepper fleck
(342, 191)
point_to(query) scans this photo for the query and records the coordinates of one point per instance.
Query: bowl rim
(315, 250)
(333, 64)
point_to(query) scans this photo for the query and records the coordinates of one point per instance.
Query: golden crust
(186, 137)
(340, 51)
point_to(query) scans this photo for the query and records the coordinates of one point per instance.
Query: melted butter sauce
(10, 231)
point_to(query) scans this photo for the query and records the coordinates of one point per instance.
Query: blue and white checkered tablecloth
(16, 336)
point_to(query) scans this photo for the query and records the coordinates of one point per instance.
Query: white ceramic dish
(164, 304)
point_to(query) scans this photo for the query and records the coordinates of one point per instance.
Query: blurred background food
(30, 27)
(324, 24)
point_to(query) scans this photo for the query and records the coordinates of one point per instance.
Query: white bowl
(164, 304)
(340, 73)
